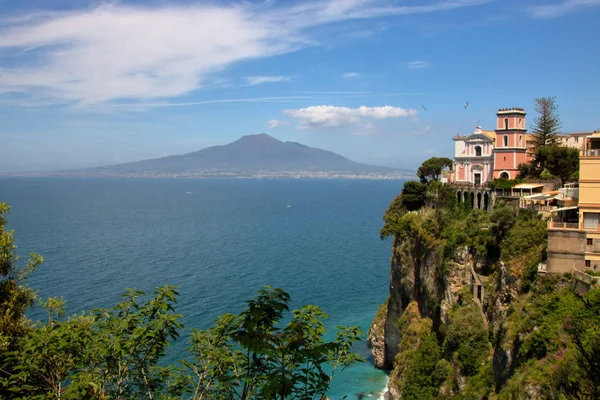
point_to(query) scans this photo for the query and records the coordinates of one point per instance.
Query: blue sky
(85, 83)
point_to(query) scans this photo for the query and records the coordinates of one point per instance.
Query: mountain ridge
(255, 155)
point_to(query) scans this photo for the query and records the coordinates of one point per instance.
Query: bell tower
(510, 148)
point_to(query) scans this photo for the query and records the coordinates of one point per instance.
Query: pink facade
(511, 143)
(486, 155)
(473, 157)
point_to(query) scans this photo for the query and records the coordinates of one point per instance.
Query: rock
(376, 336)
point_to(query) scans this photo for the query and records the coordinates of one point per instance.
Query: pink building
(486, 155)
(510, 148)
(473, 157)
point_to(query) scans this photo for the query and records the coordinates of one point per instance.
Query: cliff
(467, 314)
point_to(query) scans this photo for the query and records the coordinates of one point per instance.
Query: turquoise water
(218, 240)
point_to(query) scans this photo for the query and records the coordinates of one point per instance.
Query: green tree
(413, 195)
(545, 128)
(249, 356)
(116, 353)
(561, 161)
(424, 376)
(431, 169)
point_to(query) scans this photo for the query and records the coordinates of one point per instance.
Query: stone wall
(566, 250)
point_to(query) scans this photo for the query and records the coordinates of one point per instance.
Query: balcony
(590, 153)
(568, 194)
(574, 226)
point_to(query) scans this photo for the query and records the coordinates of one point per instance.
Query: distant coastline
(394, 175)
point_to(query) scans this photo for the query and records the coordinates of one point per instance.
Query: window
(588, 264)
(520, 122)
(576, 139)
(590, 221)
(504, 158)
(478, 151)
(506, 123)
(590, 242)
(521, 141)
(505, 138)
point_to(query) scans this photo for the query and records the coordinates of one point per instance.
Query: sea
(219, 241)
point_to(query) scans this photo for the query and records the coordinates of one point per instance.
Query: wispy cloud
(274, 123)
(351, 75)
(561, 8)
(334, 117)
(418, 65)
(170, 50)
(258, 80)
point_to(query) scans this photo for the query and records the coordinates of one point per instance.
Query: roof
(565, 208)
(575, 134)
(527, 186)
(542, 196)
(490, 134)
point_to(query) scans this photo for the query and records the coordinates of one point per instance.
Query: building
(484, 155)
(473, 157)
(510, 149)
(574, 231)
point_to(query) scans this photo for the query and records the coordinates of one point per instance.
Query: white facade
(474, 157)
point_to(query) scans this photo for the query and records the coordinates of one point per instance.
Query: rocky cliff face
(417, 276)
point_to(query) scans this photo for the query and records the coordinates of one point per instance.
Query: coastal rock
(376, 336)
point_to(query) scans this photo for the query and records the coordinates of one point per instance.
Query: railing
(539, 207)
(582, 276)
(591, 153)
(563, 225)
(568, 194)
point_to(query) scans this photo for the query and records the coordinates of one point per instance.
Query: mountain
(258, 155)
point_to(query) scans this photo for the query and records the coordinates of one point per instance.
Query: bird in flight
(466, 105)
(423, 107)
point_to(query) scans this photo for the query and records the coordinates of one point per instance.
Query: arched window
(520, 122)
(478, 151)
(504, 175)
(520, 141)
(505, 139)
(506, 123)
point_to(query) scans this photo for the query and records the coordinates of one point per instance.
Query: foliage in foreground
(116, 353)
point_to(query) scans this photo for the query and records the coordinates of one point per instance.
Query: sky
(385, 82)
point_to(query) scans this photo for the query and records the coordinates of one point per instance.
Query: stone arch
(479, 200)
(459, 196)
(504, 175)
(486, 201)
(472, 200)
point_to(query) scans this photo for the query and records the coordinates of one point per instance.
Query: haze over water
(218, 240)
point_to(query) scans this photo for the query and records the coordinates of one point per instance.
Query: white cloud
(257, 80)
(561, 8)
(274, 123)
(418, 65)
(335, 117)
(123, 52)
(351, 75)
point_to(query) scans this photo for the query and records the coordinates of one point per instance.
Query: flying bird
(466, 105)
(423, 107)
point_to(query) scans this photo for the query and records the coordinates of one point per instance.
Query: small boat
(289, 206)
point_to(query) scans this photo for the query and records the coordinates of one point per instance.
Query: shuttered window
(590, 221)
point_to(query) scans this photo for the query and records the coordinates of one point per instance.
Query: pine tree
(545, 128)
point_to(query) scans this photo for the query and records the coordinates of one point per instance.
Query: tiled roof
(490, 134)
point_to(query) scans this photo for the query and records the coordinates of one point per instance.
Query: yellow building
(589, 198)
(574, 232)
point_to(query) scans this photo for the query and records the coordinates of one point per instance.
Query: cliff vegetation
(469, 317)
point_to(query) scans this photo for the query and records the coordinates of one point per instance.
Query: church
(484, 155)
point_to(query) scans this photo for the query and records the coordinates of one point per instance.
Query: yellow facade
(589, 184)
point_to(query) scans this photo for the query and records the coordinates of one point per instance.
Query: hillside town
(488, 167)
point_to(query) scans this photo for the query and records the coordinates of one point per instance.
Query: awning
(566, 208)
(539, 196)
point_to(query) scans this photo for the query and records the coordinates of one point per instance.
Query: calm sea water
(218, 240)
